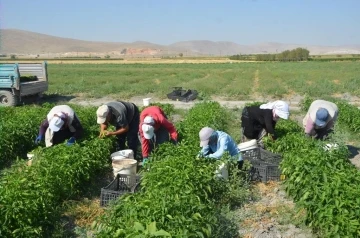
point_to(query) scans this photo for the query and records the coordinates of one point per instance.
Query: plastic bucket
(248, 145)
(30, 157)
(124, 166)
(122, 154)
(222, 171)
(146, 101)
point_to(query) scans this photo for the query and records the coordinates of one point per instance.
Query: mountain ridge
(15, 41)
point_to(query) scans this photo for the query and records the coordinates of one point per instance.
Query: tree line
(298, 54)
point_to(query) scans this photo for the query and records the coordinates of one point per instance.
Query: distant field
(237, 81)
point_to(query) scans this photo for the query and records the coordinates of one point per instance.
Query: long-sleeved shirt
(310, 117)
(122, 113)
(160, 121)
(223, 144)
(262, 118)
(72, 120)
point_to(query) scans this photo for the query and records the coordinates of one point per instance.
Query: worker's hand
(38, 139)
(108, 133)
(102, 134)
(145, 161)
(71, 141)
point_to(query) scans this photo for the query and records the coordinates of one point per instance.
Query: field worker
(259, 121)
(155, 129)
(320, 119)
(124, 116)
(215, 143)
(60, 124)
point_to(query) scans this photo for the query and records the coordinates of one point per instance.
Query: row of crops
(180, 197)
(323, 181)
(31, 196)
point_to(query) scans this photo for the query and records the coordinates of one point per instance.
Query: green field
(235, 81)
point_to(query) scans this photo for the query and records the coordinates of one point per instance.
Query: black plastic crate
(265, 164)
(252, 154)
(261, 155)
(264, 172)
(122, 184)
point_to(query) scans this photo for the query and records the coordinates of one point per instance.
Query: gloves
(38, 139)
(71, 141)
(145, 161)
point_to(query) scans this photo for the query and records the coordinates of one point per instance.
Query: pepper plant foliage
(322, 181)
(179, 192)
(31, 196)
(18, 127)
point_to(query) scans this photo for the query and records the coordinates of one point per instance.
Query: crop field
(231, 81)
(58, 194)
(179, 195)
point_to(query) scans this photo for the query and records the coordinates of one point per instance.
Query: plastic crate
(261, 155)
(122, 184)
(252, 154)
(265, 164)
(270, 157)
(264, 172)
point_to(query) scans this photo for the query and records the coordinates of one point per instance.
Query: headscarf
(280, 108)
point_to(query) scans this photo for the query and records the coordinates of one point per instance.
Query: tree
(13, 57)
(181, 54)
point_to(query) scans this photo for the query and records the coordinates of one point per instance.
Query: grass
(230, 81)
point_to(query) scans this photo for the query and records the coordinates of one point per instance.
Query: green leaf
(151, 228)
(138, 226)
(161, 233)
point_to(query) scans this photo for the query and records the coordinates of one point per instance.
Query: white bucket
(124, 166)
(30, 156)
(248, 145)
(146, 101)
(222, 171)
(122, 154)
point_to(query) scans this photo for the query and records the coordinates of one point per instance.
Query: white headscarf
(280, 108)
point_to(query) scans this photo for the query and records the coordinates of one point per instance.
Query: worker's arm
(221, 150)
(43, 127)
(145, 144)
(268, 117)
(204, 151)
(118, 132)
(310, 127)
(79, 130)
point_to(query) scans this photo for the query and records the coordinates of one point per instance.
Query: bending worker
(124, 116)
(155, 129)
(60, 124)
(259, 121)
(320, 119)
(215, 143)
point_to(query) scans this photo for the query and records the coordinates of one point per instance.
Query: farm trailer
(21, 79)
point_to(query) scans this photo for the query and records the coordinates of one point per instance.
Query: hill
(15, 41)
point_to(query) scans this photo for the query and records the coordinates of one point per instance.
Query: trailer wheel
(7, 99)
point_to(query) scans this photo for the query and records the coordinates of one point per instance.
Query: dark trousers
(250, 128)
(62, 135)
(131, 136)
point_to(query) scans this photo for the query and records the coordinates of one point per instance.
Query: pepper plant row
(320, 180)
(18, 127)
(31, 196)
(180, 196)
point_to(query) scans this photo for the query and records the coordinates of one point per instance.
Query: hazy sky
(316, 22)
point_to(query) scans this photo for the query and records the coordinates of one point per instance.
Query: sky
(311, 22)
